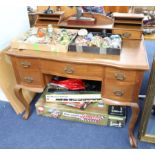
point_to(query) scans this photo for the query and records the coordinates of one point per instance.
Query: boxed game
(95, 113)
(77, 98)
(73, 96)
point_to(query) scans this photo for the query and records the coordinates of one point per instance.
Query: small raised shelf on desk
(129, 26)
(45, 19)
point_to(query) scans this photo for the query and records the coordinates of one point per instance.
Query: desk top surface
(133, 56)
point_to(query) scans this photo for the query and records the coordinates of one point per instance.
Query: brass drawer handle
(25, 64)
(120, 76)
(118, 93)
(28, 79)
(126, 35)
(69, 70)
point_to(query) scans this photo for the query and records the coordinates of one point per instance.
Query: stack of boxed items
(116, 116)
(72, 99)
(73, 102)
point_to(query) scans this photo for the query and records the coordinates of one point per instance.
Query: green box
(95, 113)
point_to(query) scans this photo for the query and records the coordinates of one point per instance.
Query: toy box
(95, 113)
(77, 98)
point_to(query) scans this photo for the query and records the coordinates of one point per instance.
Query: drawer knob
(120, 76)
(126, 35)
(69, 70)
(26, 64)
(28, 79)
(118, 93)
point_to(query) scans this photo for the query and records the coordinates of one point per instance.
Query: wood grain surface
(7, 83)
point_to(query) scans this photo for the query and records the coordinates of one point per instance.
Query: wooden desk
(121, 76)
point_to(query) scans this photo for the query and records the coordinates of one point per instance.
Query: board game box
(95, 113)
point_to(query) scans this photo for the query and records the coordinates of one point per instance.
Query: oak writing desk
(121, 76)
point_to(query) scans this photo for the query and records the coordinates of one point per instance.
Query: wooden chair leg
(135, 112)
(19, 95)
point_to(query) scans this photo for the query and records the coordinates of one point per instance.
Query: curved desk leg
(135, 112)
(19, 95)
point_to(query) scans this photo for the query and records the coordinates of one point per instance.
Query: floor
(46, 133)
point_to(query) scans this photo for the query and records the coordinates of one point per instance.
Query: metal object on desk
(48, 11)
(79, 11)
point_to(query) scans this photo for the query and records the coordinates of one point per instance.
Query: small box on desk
(57, 42)
(98, 45)
(94, 50)
(116, 116)
(81, 21)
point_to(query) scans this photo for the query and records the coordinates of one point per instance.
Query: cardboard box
(21, 43)
(94, 50)
(116, 121)
(73, 47)
(79, 99)
(74, 96)
(117, 110)
(38, 47)
(93, 114)
(117, 115)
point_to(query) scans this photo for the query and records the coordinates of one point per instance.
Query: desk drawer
(120, 75)
(25, 63)
(72, 70)
(121, 91)
(128, 34)
(30, 78)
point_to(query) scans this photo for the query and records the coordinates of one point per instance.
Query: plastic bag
(71, 84)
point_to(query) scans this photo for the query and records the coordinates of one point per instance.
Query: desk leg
(19, 95)
(135, 112)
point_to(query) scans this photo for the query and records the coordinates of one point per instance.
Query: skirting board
(2, 96)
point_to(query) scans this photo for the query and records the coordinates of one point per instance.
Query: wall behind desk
(14, 21)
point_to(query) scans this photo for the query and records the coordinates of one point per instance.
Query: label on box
(72, 97)
(36, 46)
(84, 117)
